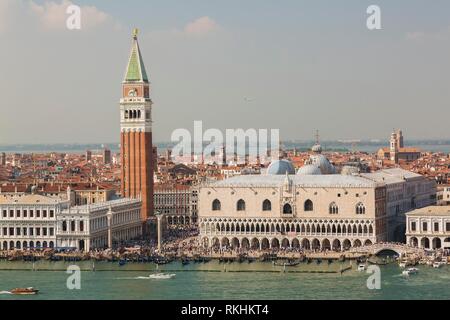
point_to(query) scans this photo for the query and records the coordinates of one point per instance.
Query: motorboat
(24, 291)
(413, 270)
(361, 267)
(162, 276)
(436, 264)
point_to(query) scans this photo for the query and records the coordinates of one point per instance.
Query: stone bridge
(400, 249)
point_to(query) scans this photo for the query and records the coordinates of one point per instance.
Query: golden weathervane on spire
(135, 32)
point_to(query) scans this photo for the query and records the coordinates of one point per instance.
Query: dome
(323, 163)
(309, 169)
(280, 167)
(317, 148)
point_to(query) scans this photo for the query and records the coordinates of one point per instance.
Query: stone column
(109, 218)
(159, 232)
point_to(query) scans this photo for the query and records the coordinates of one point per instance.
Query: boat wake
(152, 276)
(5, 292)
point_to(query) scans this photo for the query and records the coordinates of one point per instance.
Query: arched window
(240, 206)
(360, 208)
(287, 208)
(309, 205)
(333, 209)
(216, 206)
(267, 205)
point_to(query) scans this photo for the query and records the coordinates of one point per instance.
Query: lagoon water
(221, 281)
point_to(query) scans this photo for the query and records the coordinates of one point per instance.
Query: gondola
(185, 262)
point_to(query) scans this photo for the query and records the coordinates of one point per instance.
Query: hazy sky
(293, 65)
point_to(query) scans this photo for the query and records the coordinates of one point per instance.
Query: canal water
(213, 280)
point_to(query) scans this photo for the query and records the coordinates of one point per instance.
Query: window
(413, 226)
(31, 231)
(52, 213)
(267, 205)
(64, 226)
(447, 226)
(287, 209)
(38, 213)
(216, 206)
(52, 231)
(25, 213)
(17, 231)
(11, 213)
(81, 225)
(31, 213)
(5, 231)
(44, 213)
(18, 213)
(424, 226)
(38, 231)
(308, 205)
(5, 213)
(72, 226)
(11, 231)
(333, 209)
(436, 226)
(240, 206)
(24, 231)
(44, 231)
(360, 208)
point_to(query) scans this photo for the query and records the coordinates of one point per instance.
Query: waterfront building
(397, 151)
(136, 148)
(309, 209)
(405, 191)
(29, 221)
(100, 225)
(178, 203)
(429, 227)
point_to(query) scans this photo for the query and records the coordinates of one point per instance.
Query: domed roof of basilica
(309, 169)
(282, 166)
(317, 148)
(319, 160)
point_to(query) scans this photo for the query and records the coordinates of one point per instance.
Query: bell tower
(136, 148)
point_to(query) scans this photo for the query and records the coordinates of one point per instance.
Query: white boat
(405, 273)
(412, 270)
(402, 264)
(361, 267)
(162, 276)
(436, 265)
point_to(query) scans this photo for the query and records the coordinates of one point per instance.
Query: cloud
(201, 26)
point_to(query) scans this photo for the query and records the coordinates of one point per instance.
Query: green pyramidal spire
(135, 70)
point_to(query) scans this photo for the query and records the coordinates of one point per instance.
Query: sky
(293, 65)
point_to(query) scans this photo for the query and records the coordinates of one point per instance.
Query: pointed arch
(267, 205)
(308, 205)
